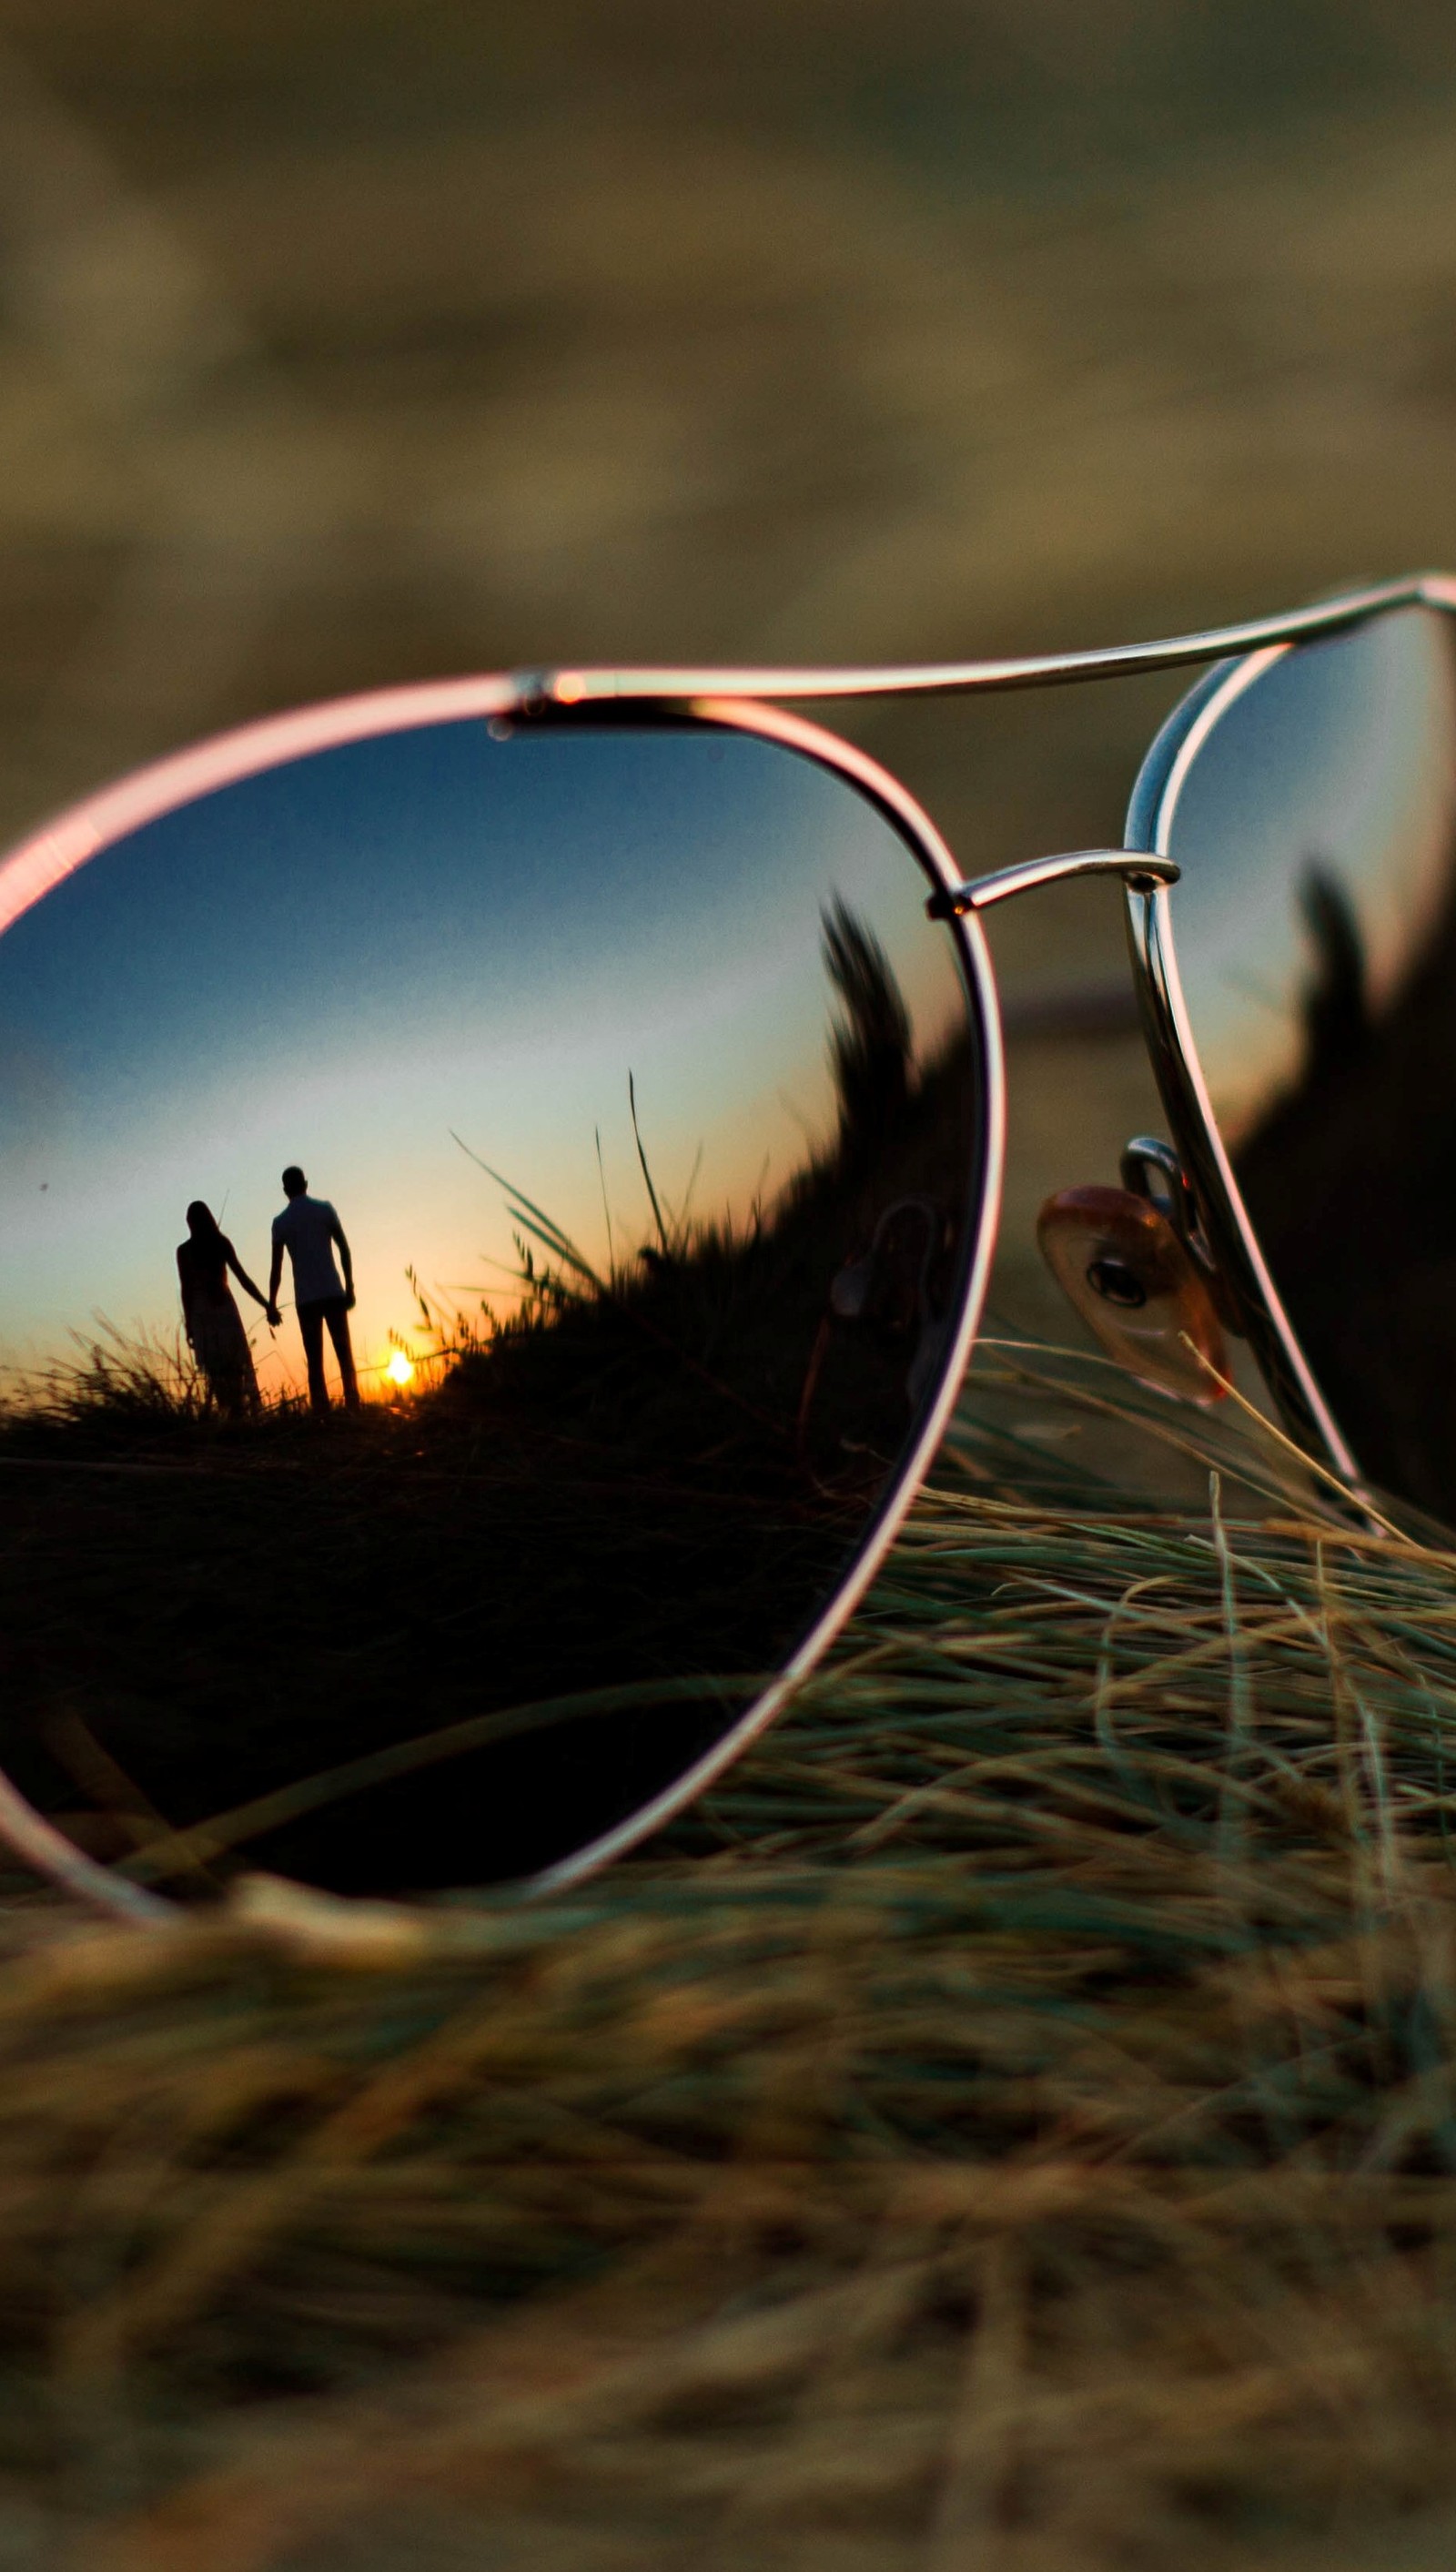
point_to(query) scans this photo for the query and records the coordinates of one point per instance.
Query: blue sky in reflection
(340, 962)
(1342, 753)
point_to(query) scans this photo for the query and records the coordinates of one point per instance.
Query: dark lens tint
(648, 1102)
(1312, 807)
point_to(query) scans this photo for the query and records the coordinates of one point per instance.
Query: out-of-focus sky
(365, 338)
(351, 341)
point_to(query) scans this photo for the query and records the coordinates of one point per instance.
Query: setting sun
(400, 1369)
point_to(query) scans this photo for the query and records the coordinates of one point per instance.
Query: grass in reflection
(1347, 1178)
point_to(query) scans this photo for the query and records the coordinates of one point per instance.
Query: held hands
(274, 1317)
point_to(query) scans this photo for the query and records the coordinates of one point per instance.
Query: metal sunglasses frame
(743, 700)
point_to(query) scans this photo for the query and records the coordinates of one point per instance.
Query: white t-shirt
(308, 1227)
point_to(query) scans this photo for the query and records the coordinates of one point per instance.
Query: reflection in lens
(1312, 808)
(483, 1212)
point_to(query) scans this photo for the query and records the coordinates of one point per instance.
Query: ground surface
(1010, 2124)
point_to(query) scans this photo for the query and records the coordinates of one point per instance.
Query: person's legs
(224, 1382)
(311, 1323)
(336, 1314)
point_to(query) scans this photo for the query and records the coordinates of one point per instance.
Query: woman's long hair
(203, 1225)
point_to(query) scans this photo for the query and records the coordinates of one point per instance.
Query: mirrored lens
(1312, 807)
(484, 1212)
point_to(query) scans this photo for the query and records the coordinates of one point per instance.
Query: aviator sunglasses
(498, 1181)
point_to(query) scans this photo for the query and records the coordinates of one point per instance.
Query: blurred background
(353, 341)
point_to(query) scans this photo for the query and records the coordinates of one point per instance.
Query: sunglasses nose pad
(1120, 1264)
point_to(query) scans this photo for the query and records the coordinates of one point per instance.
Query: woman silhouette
(213, 1322)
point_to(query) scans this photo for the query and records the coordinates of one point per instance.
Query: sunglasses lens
(1312, 802)
(606, 1117)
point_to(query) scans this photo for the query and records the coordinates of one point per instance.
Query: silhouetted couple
(309, 1231)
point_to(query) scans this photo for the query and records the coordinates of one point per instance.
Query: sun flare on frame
(400, 1370)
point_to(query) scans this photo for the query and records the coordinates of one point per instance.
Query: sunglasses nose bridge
(1136, 868)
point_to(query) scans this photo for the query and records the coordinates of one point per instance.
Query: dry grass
(1013, 2126)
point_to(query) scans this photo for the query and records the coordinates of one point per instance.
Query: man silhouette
(307, 1229)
